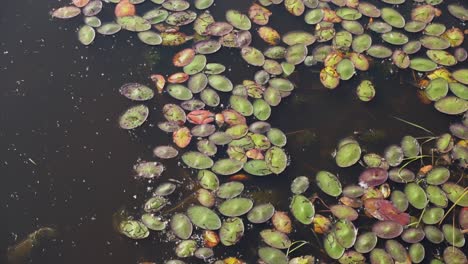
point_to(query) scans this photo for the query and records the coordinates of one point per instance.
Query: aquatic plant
(402, 206)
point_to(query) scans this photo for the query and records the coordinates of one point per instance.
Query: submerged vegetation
(404, 202)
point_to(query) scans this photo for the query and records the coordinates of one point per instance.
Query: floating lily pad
(227, 166)
(379, 256)
(231, 231)
(373, 177)
(461, 75)
(136, 91)
(451, 105)
(235, 207)
(433, 234)
(165, 189)
(422, 64)
(261, 213)
(86, 35)
(197, 160)
(456, 193)
(332, 247)
(393, 17)
(295, 7)
(181, 226)
(348, 155)
(134, 229)
(204, 217)
(300, 185)
(387, 229)
(207, 46)
(109, 28)
(365, 91)
(134, 117)
(275, 238)
(196, 65)
(134, 23)
(271, 255)
(276, 160)
(344, 212)
(153, 222)
(416, 195)
(302, 209)
(253, 56)
(238, 20)
(208, 180)
(186, 248)
(458, 11)
(345, 233)
(365, 242)
(379, 51)
(155, 204)
(328, 183)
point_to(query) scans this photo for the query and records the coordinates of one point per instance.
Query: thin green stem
(465, 191)
(413, 124)
(301, 244)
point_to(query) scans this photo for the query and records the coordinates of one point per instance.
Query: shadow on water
(66, 164)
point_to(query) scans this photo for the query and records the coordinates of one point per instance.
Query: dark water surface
(65, 163)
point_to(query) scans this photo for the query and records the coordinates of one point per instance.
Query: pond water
(65, 162)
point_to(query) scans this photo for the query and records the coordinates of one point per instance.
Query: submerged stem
(465, 191)
(413, 124)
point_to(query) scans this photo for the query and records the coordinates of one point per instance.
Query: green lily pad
(197, 65)
(86, 35)
(456, 193)
(348, 155)
(208, 180)
(181, 226)
(134, 229)
(302, 209)
(231, 231)
(387, 229)
(436, 196)
(197, 160)
(136, 92)
(186, 248)
(328, 183)
(453, 235)
(365, 242)
(153, 222)
(230, 190)
(437, 89)
(271, 255)
(300, 185)
(261, 213)
(379, 255)
(461, 75)
(396, 250)
(66, 12)
(257, 168)
(410, 146)
(276, 160)
(150, 38)
(393, 17)
(238, 20)
(345, 233)
(416, 195)
(253, 56)
(332, 247)
(204, 217)
(451, 105)
(134, 117)
(134, 23)
(235, 207)
(179, 92)
(275, 239)
(155, 204)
